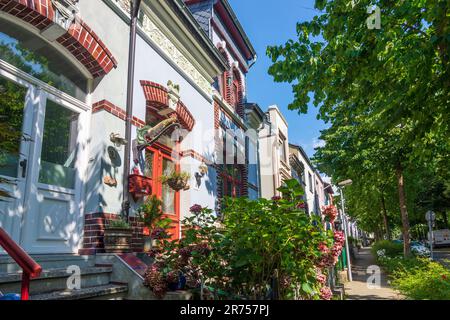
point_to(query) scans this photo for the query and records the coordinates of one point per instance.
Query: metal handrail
(31, 269)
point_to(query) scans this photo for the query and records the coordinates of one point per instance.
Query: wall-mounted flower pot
(139, 186)
(117, 240)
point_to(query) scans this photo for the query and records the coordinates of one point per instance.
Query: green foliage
(385, 95)
(416, 278)
(184, 176)
(426, 280)
(118, 224)
(271, 237)
(391, 249)
(256, 244)
(399, 263)
(151, 215)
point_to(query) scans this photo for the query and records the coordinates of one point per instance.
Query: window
(159, 162)
(282, 148)
(168, 194)
(231, 170)
(12, 100)
(33, 55)
(236, 98)
(232, 181)
(251, 149)
(310, 182)
(236, 89)
(59, 146)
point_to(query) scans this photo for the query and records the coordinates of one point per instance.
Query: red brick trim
(80, 40)
(195, 155)
(116, 111)
(240, 103)
(94, 230)
(157, 98)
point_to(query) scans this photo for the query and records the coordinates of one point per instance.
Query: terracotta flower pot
(117, 240)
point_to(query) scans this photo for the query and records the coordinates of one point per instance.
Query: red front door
(160, 161)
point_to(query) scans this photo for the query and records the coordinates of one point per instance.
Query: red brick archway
(157, 98)
(80, 40)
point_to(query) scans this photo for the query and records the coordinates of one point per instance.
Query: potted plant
(155, 225)
(177, 180)
(117, 238)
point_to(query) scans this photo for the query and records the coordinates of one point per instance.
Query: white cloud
(317, 143)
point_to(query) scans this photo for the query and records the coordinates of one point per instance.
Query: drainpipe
(135, 5)
(253, 61)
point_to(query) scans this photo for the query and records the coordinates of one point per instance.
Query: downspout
(135, 5)
(258, 173)
(253, 61)
(275, 169)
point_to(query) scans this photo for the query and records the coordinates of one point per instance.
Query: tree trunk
(385, 218)
(444, 215)
(403, 211)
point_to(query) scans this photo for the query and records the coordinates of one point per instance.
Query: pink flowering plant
(191, 261)
(256, 245)
(330, 213)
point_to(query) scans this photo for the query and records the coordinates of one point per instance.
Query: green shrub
(391, 249)
(118, 224)
(395, 264)
(427, 280)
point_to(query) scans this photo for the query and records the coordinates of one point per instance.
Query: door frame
(160, 152)
(42, 91)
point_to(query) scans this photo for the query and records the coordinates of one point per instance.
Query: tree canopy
(384, 92)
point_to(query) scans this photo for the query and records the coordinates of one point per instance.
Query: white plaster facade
(274, 153)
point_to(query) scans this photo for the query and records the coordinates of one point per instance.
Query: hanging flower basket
(177, 180)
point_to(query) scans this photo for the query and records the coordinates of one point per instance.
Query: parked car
(420, 249)
(441, 237)
(417, 247)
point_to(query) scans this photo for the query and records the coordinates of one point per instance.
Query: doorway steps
(96, 280)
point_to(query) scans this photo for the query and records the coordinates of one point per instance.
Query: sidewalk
(358, 290)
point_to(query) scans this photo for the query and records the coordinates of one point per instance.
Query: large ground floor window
(232, 181)
(159, 161)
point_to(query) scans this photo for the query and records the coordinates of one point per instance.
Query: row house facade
(63, 87)
(274, 153)
(317, 192)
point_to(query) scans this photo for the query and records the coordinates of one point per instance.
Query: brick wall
(94, 230)
(80, 40)
(116, 111)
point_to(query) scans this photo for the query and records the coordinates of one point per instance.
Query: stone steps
(48, 261)
(55, 279)
(105, 292)
(96, 279)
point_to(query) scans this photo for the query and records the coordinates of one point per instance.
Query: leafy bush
(392, 265)
(416, 278)
(422, 280)
(118, 224)
(274, 238)
(151, 215)
(387, 248)
(261, 249)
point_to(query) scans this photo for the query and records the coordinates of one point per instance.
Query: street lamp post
(345, 226)
(430, 217)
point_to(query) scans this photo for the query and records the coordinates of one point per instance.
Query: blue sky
(273, 23)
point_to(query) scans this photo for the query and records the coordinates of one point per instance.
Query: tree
(384, 91)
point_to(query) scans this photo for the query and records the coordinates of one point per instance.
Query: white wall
(151, 66)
